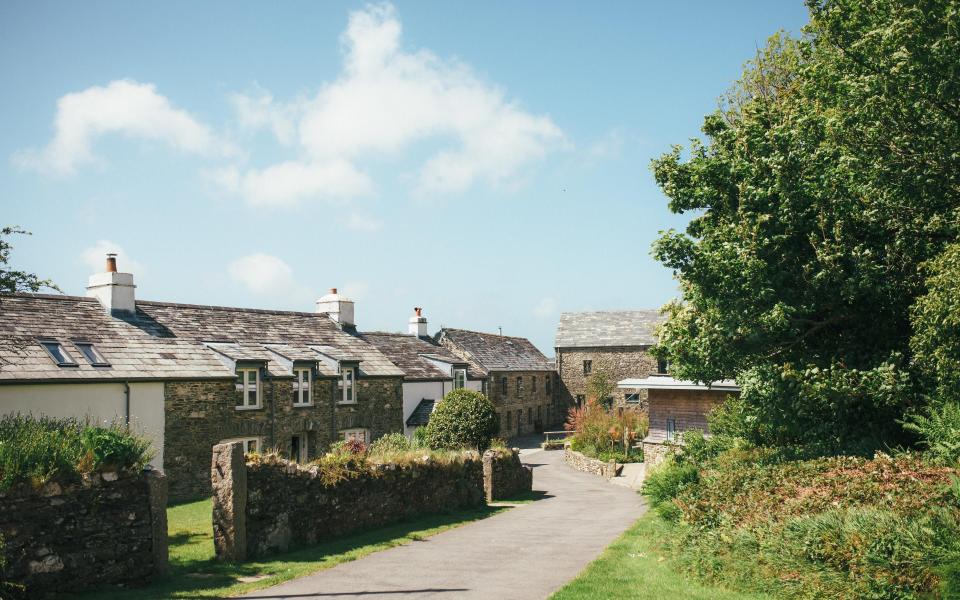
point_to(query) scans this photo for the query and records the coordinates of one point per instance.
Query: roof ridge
(46, 296)
(267, 311)
(499, 335)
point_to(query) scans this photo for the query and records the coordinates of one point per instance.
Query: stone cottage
(616, 343)
(430, 370)
(520, 380)
(674, 407)
(190, 376)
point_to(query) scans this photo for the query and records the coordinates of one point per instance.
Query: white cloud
(288, 183)
(95, 258)
(263, 274)
(387, 100)
(545, 309)
(123, 106)
(363, 223)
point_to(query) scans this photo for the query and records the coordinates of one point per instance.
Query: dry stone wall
(271, 506)
(504, 476)
(109, 529)
(586, 464)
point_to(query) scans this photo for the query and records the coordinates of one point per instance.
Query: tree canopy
(828, 176)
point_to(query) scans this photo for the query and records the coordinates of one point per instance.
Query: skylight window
(58, 353)
(91, 353)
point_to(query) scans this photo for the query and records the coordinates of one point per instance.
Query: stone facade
(522, 401)
(586, 464)
(200, 414)
(288, 505)
(504, 476)
(674, 411)
(618, 362)
(110, 529)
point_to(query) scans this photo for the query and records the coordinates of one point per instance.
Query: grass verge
(195, 572)
(637, 566)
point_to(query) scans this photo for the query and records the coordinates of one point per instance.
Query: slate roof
(608, 328)
(163, 340)
(421, 414)
(493, 352)
(411, 354)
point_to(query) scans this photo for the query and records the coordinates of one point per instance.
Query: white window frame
(256, 442)
(68, 361)
(243, 386)
(459, 378)
(627, 398)
(344, 387)
(361, 433)
(303, 395)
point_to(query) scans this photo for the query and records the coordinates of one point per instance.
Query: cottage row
(190, 376)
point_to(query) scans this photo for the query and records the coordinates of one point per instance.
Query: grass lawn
(194, 572)
(636, 567)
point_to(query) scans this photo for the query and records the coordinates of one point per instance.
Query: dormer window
(248, 384)
(346, 384)
(90, 352)
(459, 378)
(58, 353)
(302, 378)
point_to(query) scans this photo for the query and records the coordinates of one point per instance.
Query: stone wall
(504, 476)
(200, 414)
(527, 407)
(107, 529)
(653, 454)
(586, 464)
(265, 507)
(617, 362)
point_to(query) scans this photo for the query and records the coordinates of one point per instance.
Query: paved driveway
(527, 552)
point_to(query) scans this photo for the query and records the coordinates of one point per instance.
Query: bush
(665, 481)
(599, 432)
(44, 449)
(462, 419)
(391, 443)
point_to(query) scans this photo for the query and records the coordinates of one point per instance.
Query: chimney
(339, 308)
(114, 290)
(417, 323)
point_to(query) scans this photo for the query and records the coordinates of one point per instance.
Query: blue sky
(487, 161)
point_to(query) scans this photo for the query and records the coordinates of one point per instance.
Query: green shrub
(390, 444)
(939, 431)
(41, 449)
(462, 419)
(665, 481)
(420, 438)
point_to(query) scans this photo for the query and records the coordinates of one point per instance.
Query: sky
(488, 161)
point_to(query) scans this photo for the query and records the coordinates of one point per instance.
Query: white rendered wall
(415, 391)
(101, 402)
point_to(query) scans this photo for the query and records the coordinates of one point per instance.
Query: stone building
(520, 380)
(675, 407)
(615, 343)
(189, 376)
(430, 370)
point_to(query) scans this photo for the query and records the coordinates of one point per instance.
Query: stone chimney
(340, 308)
(418, 323)
(114, 290)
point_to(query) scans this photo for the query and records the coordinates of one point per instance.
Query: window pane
(252, 377)
(252, 397)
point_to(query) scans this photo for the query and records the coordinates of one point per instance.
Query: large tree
(830, 173)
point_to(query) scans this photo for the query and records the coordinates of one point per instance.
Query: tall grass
(38, 450)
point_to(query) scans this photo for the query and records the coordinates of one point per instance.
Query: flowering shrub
(600, 433)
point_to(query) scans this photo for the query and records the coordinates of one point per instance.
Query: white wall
(101, 402)
(415, 391)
